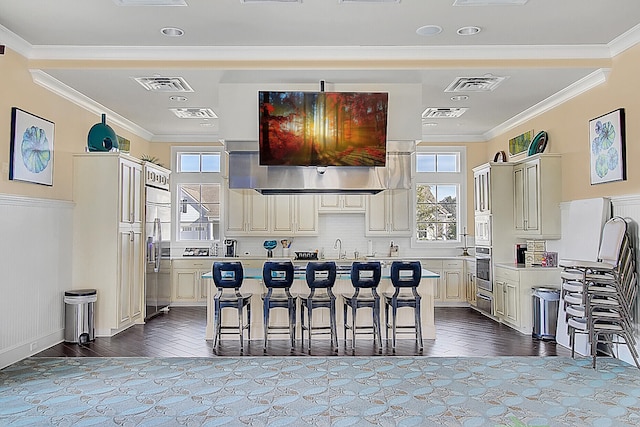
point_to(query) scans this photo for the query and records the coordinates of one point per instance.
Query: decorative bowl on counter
(270, 244)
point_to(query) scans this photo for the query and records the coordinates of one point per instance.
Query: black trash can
(546, 302)
(78, 315)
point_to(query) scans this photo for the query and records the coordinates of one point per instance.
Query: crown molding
(45, 80)
(208, 139)
(454, 138)
(625, 41)
(14, 42)
(581, 86)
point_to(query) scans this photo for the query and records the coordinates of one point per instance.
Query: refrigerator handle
(157, 231)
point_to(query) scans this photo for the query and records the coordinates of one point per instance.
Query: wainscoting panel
(35, 260)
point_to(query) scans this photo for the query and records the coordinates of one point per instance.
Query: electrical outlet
(34, 345)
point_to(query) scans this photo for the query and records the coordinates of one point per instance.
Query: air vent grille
(164, 84)
(489, 2)
(475, 84)
(443, 113)
(194, 113)
(150, 2)
(368, 1)
(270, 1)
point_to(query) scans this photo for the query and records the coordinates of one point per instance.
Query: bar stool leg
(394, 310)
(353, 326)
(332, 320)
(240, 325)
(377, 332)
(266, 322)
(344, 321)
(292, 323)
(309, 318)
(216, 324)
(419, 324)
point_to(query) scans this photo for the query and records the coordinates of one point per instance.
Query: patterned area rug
(320, 391)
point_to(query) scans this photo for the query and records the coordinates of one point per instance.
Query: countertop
(522, 267)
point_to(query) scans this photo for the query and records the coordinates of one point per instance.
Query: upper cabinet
(537, 196)
(481, 179)
(249, 213)
(388, 213)
(342, 203)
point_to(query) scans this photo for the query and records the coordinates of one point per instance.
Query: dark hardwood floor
(180, 333)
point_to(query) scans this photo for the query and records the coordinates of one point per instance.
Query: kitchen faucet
(338, 245)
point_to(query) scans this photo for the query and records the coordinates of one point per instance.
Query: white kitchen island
(253, 284)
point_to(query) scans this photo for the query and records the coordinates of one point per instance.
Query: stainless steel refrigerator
(157, 281)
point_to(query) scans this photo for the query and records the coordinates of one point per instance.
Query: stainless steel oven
(483, 268)
(484, 302)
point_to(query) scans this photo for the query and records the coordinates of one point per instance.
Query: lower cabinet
(512, 293)
(450, 289)
(131, 279)
(187, 285)
(470, 282)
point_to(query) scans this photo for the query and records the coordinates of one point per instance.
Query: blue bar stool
(228, 277)
(321, 276)
(365, 276)
(405, 277)
(278, 278)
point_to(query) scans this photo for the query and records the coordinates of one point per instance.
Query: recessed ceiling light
(178, 98)
(429, 124)
(172, 31)
(468, 31)
(459, 98)
(429, 30)
(207, 125)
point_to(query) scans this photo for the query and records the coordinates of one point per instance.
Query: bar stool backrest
(228, 274)
(400, 280)
(368, 280)
(277, 274)
(326, 278)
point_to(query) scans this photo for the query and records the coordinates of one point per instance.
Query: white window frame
(441, 178)
(180, 178)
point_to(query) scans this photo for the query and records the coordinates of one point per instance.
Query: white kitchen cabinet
(470, 282)
(342, 203)
(295, 215)
(512, 293)
(537, 197)
(388, 213)
(246, 213)
(107, 237)
(493, 205)
(450, 287)
(188, 286)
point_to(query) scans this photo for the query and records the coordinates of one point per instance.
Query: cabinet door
(453, 288)
(124, 278)
(258, 213)
(400, 212)
(353, 202)
(481, 200)
(511, 303)
(137, 275)
(330, 202)
(519, 197)
(130, 192)
(376, 215)
(306, 214)
(498, 298)
(235, 212)
(531, 196)
(283, 214)
(184, 285)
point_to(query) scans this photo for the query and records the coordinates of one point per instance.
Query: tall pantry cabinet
(108, 237)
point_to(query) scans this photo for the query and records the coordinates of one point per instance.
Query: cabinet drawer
(452, 264)
(432, 264)
(507, 274)
(192, 263)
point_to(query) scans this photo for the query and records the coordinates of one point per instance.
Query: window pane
(446, 193)
(425, 162)
(189, 162)
(211, 163)
(436, 212)
(448, 163)
(199, 212)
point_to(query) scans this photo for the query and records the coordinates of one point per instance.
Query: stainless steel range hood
(245, 172)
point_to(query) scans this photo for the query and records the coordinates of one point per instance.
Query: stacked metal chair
(599, 296)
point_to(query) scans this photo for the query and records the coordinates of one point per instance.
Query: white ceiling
(550, 50)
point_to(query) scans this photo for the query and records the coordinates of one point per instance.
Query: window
(439, 195)
(197, 193)
(198, 162)
(199, 212)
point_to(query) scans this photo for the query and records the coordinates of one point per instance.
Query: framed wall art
(607, 147)
(31, 157)
(520, 143)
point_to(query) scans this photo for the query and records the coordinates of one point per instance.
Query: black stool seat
(278, 278)
(320, 277)
(405, 277)
(228, 277)
(365, 278)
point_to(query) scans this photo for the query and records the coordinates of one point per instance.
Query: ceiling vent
(164, 84)
(270, 1)
(150, 2)
(443, 113)
(489, 2)
(475, 84)
(368, 1)
(194, 113)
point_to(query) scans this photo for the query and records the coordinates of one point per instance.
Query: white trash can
(78, 315)
(546, 302)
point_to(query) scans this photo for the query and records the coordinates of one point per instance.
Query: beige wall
(568, 129)
(72, 124)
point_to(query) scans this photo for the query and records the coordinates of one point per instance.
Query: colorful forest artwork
(323, 128)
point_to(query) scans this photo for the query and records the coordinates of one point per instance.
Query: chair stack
(599, 296)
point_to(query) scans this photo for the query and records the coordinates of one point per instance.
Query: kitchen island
(253, 284)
